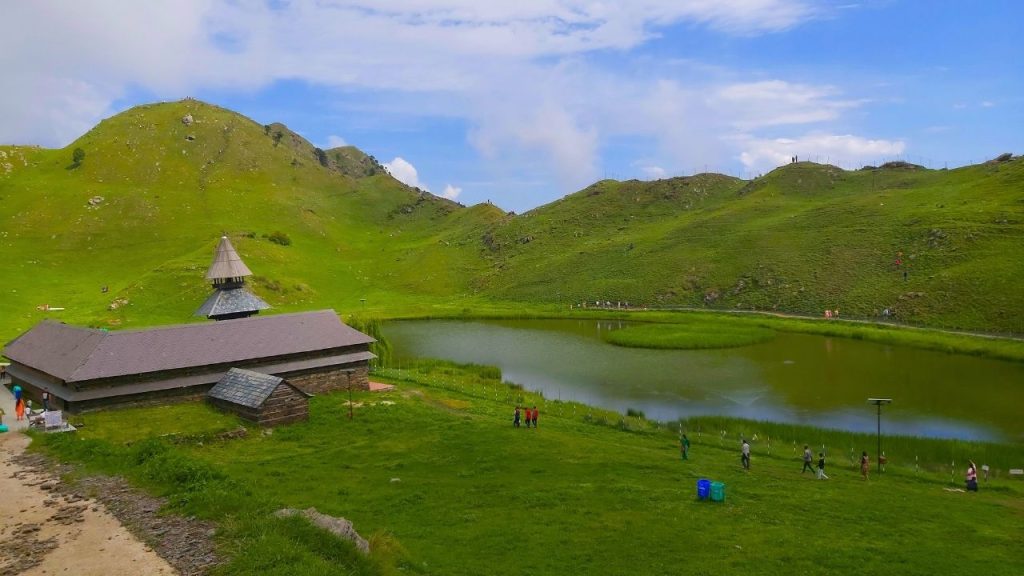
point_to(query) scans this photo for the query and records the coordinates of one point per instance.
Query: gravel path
(97, 526)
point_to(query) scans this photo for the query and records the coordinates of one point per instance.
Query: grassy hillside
(162, 191)
(142, 211)
(436, 468)
(801, 239)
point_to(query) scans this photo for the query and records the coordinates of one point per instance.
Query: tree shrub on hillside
(278, 237)
(77, 156)
(321, 156)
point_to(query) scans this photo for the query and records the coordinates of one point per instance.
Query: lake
(798, 378)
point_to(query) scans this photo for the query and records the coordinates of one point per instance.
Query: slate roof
(231, 301)
(227, 263)
(76, 354)
(245, 387)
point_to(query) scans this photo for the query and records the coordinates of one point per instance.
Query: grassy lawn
(436, 474)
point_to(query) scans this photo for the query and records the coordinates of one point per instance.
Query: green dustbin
(717, 492)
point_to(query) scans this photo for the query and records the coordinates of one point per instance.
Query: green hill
(801, 239)
(160, 183)
(141, 213)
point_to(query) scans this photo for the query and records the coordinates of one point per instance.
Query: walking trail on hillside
(46, 531)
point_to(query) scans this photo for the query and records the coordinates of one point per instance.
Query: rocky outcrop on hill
(340, 527)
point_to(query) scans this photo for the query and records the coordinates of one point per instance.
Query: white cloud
(650, 170)
(405, 172)
(987, 104)
(334, 141)
(451, 192)
(519, 73)
(761, 155)
(172, 47)
(776, 102)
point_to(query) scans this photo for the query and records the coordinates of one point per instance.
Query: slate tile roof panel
(245, 387)
(231, 301)
(77, 354)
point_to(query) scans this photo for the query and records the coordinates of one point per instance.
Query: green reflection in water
(792, 378)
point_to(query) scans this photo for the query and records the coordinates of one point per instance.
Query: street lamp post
(878, 403)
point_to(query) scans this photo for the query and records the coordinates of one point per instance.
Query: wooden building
(230, 298)
(260, 398)
(86, 368)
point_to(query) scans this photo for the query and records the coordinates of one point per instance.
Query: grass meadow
(435, 474)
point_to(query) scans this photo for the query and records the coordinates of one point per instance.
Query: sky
(522, 102)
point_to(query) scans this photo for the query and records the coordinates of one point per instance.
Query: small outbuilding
(260, 398)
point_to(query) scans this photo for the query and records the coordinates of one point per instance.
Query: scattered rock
(23, 550)
(117, 303)
(711, 296)
(340, 527)
(96, 200)
(190, 137)
(187, 120)
(240, 432)
(1005, 157)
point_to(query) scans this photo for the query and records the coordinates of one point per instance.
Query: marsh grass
(690, 335)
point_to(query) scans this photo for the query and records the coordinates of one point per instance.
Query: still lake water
(793, 378)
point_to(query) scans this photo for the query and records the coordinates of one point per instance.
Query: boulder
(338, 526)
(187, 119)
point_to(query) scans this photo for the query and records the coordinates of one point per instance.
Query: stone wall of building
(324, 380)
(284, 406)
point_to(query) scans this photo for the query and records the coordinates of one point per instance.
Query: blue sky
(523, 102)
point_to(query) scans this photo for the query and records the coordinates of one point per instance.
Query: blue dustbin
(3, 427)
(717, 492)
(703, 488)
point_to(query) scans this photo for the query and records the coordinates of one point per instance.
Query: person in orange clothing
(19, 409)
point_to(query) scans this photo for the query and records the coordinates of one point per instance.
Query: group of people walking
(23, 405)
(528, 415)
(809, 457)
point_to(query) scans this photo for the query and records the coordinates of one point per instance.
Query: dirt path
(45, 531)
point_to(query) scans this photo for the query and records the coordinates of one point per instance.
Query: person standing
(745, 454)
(526, 416)
(821, 466)
(515, 419)
(535, 412)
(865, 463)
(46, 399)
(684, 445)
(972, 476)
(807, 460)
(19, 409)
(17, 392)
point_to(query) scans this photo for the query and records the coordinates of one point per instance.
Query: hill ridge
(160, 182)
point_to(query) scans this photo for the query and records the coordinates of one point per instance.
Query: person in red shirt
(528, 417)
(535, 416)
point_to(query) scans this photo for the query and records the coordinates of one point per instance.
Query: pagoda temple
(230, 298)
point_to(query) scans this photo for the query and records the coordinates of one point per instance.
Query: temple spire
(227, 264)
(230, 299)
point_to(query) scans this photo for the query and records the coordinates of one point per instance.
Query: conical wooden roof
(227, 264)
